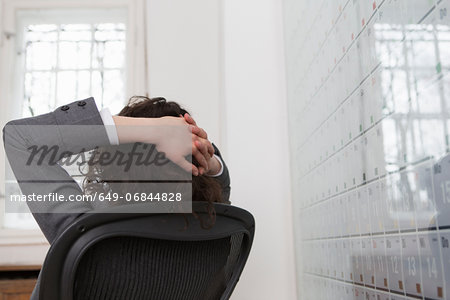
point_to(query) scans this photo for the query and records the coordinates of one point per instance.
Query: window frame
(136, 83)
(59, 16)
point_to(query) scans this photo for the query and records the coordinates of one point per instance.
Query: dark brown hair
(204, 188)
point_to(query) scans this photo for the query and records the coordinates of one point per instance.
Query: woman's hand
(171, 135)
(203, 148)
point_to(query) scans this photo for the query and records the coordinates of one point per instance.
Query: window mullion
(91, 57)
(57, 65)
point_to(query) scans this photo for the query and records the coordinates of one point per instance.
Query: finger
(202, 147)
(211, 150)
(194, 129)
(189, 119)
(199, 157)
(181, 116)
(202, 170)
(188, 167)
(195, 170)
(185, 165)
(202, 133)
(202, 162)
(208, 149)
(198, 131)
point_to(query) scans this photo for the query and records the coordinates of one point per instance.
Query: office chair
(133, 256)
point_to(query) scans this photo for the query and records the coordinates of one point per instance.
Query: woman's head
(204, 188)
(143, 107)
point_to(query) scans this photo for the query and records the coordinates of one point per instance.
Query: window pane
(76, 27)
(97, 87)
(103, 36)
(109, 32)
(67, 87)
(84, 85)
(74, 55)
(113, 86)
(39, 88)
(43, 27)
(114, 55)
(76, 32)
(98, 55)
(41, 56)
(111, 26)
(36, 36)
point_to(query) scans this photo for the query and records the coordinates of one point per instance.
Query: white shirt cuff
(110, 126)
(111, 132)
(221, 167)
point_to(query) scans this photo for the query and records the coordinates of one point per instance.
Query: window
(66, 59)
(63, 56)
(65, 62)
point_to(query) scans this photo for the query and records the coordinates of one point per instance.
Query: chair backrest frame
(59, 269)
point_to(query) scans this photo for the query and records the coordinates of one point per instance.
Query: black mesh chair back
(128, 256)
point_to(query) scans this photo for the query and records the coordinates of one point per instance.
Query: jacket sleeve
(224, 178)
(37, 174)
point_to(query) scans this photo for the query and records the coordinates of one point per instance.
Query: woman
(213, 187)
(143, 120)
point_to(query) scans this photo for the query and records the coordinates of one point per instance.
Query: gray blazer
(18, 135)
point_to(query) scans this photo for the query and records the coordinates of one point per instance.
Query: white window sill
(21, 237)
(22, 247)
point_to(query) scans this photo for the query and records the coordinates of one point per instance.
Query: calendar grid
(368, 93)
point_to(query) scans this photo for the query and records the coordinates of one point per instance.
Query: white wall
(225, 61)
(241, 102)
(184, 57)
(257, 142)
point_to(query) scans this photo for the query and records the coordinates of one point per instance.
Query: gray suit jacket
(18, 135)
